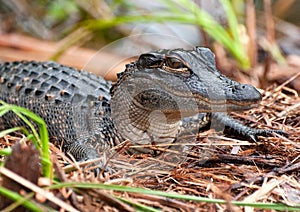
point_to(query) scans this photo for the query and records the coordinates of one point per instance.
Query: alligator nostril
(237, 87)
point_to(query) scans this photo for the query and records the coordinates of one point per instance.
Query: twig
(36, 189)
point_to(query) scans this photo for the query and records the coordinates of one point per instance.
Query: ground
(208, 165)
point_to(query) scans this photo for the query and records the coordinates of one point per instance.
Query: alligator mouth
(202, 107)
(223, 108)
(223, 105)
(240, 104)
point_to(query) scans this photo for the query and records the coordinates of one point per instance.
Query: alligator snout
(247, 93)
(243, 96)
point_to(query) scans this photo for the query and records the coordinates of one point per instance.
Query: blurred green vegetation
(82, 21)
(181, 11)
(59, 10)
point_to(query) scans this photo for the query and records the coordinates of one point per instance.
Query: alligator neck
(139, 126)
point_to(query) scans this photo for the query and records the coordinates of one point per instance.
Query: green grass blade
(5, 152)
(231, 41)
(18, 112)
(42, 137)
(232, 20)
(242, 56)
(274, 206)
(138, 206)
(3, 110)
(19, 200)
(11, 130)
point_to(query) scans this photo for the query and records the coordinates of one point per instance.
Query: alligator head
(185, 80)
(167, 85)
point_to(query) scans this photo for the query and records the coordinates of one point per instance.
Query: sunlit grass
(40, 138)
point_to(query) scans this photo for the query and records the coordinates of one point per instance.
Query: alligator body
(87, 115)
(74, 105)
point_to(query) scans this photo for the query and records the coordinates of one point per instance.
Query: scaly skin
(87, 115)
(70, 102)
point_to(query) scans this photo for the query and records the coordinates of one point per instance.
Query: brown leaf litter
(208, 164)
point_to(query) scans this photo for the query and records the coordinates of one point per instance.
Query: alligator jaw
(209, 105)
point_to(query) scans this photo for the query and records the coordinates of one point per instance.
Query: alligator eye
(174, 63)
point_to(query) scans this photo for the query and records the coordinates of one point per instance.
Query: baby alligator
(87, 115)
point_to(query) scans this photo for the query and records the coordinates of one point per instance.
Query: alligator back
(51, 82)
(74, 104)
